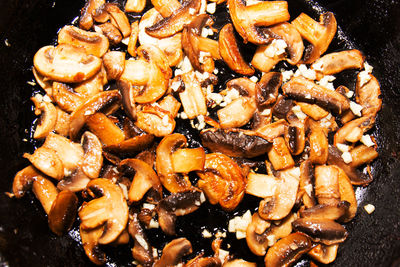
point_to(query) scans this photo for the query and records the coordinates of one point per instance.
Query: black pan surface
(373, 26)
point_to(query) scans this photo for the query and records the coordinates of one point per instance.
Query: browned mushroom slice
(94, 104)
(135, 5)
(339, 61)
(144, 179)
(119, 18)
(136, 72)
(192, 98)
(164, 166)
(319, 34)
(90, 243)
(175, 23)
(94, 43)
(23, 180)
(131, 145)
(170, 104)
(75, 182)
(48, 119)
(282, 107)
(244, 86)
(329, 212)
(295, 136)
(47, 161)
(45, 192)
(312, 110)
(368, 95)
(86, 19)
(166, 7)
(323, 253)
(261, 185)
(247, 18)
(279, 154)
(267, 89)
(92, 159)
(43, 81)
(133, 38)
(292, 38)
(230, 53)
(114, 63)
(306, 184)
(305, 90)
(66, 63)
(325, 231)
(288, 250)
(239, 263)
(362, 154)
(185, 160)
(105, 129)
(271, 131)
(347, 194)
(109, 209)
(93, 85)
(111, 32)
(234, 142)
(237, 113)
(155, 120)
(282, 202)
(200, 261)
(318, 146)
(63, 212)
(327, 184)
(65, 97)
(177, 204)
(173, 252)
(142, 250)
(222, 181)
(353, 130)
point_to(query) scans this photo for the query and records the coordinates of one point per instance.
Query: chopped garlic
(326, 82)
(39, 97)
(364, 77)
(305, 72)
(254, 79)
(355, 108)
(192, 11)
(349, 94)
(220, 234)
(153, 224)
(223, 255)
(7, 43)
(31, 83)
(369, 208)
(252, 2)
(149, 206)
(266, 112)
(211, 7)
(366, 140)
(206, 234)
(141, 241)
(47, 99)
(203, 55)
(271, 240)
(124, 189)
(342, 147)
(368, 68)
(203, 7)
(202, 197)
(215, 71)
(125, 41)
(185, 65)
(204, 32)
(309, 189)
(240, 235)
(182, 115)
(287, 75)
(275, 48)
(239, 224)
(318, 66)
(346, 156)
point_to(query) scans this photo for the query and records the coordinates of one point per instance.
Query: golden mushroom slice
(114, 63)
(23, 180)
(239, 263)
(119, 18)
(93, 85)
(48, 118)
(155, 121)
(327, 184)
(91, 245)
(94, 43)
(93, 157)
(347, 194)
(166, 7)
(47, 161)
(173, 252)
(368, 95)
(323, 253)
(279, 155)
(111, 32)
(353, 130)
(66, 63)
(318, 146)
(201, 261)
(65, 97)
(105, 129)
(86, 18)
(108, 209)
(186, 160)
(261, 185)
(135, 5)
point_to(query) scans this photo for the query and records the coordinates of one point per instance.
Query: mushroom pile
(115, 89)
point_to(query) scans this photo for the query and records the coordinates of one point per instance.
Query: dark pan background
(25, 240)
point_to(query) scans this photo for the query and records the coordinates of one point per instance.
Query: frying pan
(373, 26)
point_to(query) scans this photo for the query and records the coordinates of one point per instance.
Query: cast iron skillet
(25, 240)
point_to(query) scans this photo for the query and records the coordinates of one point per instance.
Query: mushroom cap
(63, 212)
(173, 252)
(23, 180)
(93, 158)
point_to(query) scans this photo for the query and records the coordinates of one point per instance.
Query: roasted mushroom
(338, 61)
(173, 252)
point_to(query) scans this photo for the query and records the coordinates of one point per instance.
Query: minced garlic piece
(211, 7)
(366, 140)
(342, 147)
(369, 208)
(206, 234)
(346, 156)
(355, 108)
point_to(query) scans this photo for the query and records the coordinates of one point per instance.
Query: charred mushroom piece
(66, 63)
(368, 95)
(234, 142)
(288, 250)
(282, 107)
(23, 180)
(144, 179)
(142, 250)
(230, 53)
(176, 21)
(48, 118)
(279, 206)
(339, 61)
(86, 19)
(323, 253)
(329, 212)
(94, 43)
(93, 158)
(47, 161)
(173, 252)
(114, 63)
(171, 181)
(177, 204)
(325, 231)
(222, 181)
(295, 136)
(304, 90)
(246, 19)
(267, 89)
(319, 34)
(109, 210)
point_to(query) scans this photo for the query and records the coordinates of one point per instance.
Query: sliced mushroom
(279, 206)
(244, 86)
(43, 81)
(279, 155)
(136, 72)
(273, 130)
(23, 180)
(261, 185)
(353, 130)
(65, 97)
(133, 39)
(170, 104)
(329, 212)
(234, 142)
(111, 32)
(325, 231)
(92, 159)
(319, 34)
(66, 63)
(200, 261)
(105, 129)
(48, 119)
(86, 19)
(47, 161)
(164, 165)
(94, 43)
(144, 179)
(307, 184)
(368, 95)
(119, 18)
(327, 184)
(155, 121)
(230, 53)
(177, 204)
(222, 181)
(114, 63)
(192, 98)
(135, 5)
(131, 145)
(267, 89)
(166, 7)
(237, 113)
(318, 146)
(239, 263)
(312, 110)
(288, 250)
(173, 252)
(93, 85)
(347, 195)
(295, 136)
(323, 253)
(282, 107)
(175, 23)
(91, 246)
(247, 18)
(142, 250)
(338, 61)
(185, 160)
(76, 181)
(362, 154)
(304, 90)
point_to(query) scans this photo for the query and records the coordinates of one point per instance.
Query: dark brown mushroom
(329, 212)
(368, 95)
(267, 89)
(306, 186)
(173, 252)
(282, 107)
(142, 250)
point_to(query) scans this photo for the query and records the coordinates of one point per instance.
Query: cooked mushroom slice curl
(279, 155)
(90, 242)
(47, 161)
(353, 130)
(192, 98)
(304, 90)
(329, 212)
(222, 181)
(338, 61)
(114, 63)
(105, 129)
(23, 180)
(93, 158)
(230, 53)
(173, 252)
(267, 89)
(319, 34)
(66, 63)
(144, 179)
(111, 32)
(48, 118)
(323, 253)
(279, 206)
(155, 121)
(109, 209)
(186, 160)
(234, 142)
(166, 7)
(246, 19)
(368, 95)
(86, 19)
(142, 250)
(288, 250)
(325, 231)
(177, 204)
(94, 43)
(135, 5)
(171, 181)
(119, 18)
(65, 97)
